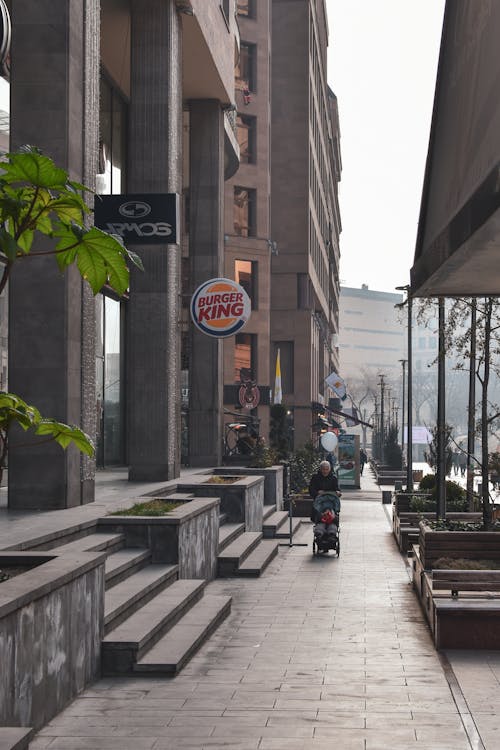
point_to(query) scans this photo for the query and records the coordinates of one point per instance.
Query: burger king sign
(220, 307)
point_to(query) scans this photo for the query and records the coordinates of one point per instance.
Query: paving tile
(305, 661)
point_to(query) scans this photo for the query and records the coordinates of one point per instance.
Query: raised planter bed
(301, 507)
(241, 501)
(471, 545)
(462, 607)
(273, 480)
(188, 536)
(51, 625)
(406, 525)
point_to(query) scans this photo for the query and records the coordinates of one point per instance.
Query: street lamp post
(403, 362)
(409, 442)
(441, 420)
(382, 388)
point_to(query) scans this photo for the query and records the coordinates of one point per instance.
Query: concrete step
(268, 511)
(284, 531)
(93, 542)
(122, 564)
(127, 643)
(228, 533)
(229, 560)
(259, 559)
(176, 648)
(122, 600)
(273, 522)
(15, 738)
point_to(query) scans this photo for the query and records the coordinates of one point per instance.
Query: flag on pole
(277, 381)
(337, 385)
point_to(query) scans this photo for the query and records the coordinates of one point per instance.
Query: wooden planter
(471, 545)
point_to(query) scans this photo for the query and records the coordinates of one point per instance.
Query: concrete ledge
(51, 625)
(187, 537)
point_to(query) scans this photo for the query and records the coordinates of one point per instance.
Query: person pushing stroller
(325, 508)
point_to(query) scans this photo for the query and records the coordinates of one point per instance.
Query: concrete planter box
(301, 505)
(242, 501)
(51, 625)
(273, 480)
(187, 537)
(471, 545)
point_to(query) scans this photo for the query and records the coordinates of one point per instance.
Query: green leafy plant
(263, 456)
(39, 201)
(156, 507)
(449, 525)
(304, 462)
(392, 449)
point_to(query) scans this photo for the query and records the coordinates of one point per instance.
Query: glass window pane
(113, 431)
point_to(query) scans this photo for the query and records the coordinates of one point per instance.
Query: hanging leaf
(65, 435)
(34, 168)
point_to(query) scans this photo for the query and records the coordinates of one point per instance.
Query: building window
(244, 212)
(245, 358)
(246, 133)
(245, 8)
(112, 141)
(245, 73)
(304, 292)
(110, 381)
(286, 364)
(245, 274)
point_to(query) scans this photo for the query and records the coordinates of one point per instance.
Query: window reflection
(245, 130)
(109, 387)
(244, 355)
(244, 212)
(245, 276)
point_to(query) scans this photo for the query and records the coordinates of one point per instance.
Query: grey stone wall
(242, 501)
(51, 624)
(273, 480)
(187, 537)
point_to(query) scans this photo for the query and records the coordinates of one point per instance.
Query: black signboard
(139, 219)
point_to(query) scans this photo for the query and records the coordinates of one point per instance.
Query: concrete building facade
(100, 86)
(305, 224)
(248, 242)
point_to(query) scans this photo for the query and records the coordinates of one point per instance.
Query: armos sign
(220, 307)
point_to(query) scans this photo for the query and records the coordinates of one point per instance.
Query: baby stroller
(325, 514)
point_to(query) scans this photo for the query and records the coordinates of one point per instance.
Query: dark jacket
(319, 482)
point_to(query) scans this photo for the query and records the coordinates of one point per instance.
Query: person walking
(323, 481)
(363, 458)
(462, 462)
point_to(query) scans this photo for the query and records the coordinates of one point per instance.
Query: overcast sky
(382, 63)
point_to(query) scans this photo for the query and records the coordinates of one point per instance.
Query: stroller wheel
(314, 549)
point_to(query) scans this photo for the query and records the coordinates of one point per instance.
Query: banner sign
(220, 308)
(142, 219)
(347, 471)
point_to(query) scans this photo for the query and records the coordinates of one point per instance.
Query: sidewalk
(318, 653)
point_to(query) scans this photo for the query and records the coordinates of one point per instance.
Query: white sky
(382, 63)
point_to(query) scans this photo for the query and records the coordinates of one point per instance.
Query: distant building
(372, 339)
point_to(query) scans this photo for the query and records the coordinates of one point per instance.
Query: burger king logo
(220, 307)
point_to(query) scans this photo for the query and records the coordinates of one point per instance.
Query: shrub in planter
(303, 464)
(456, 496)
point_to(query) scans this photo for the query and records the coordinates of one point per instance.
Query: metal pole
(403, 362)
(441, 420)
(472, 408)
(382, 452)
(409, 442)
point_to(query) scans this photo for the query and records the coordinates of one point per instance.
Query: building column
(155, 166)
(54, 105)
(206, 252)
